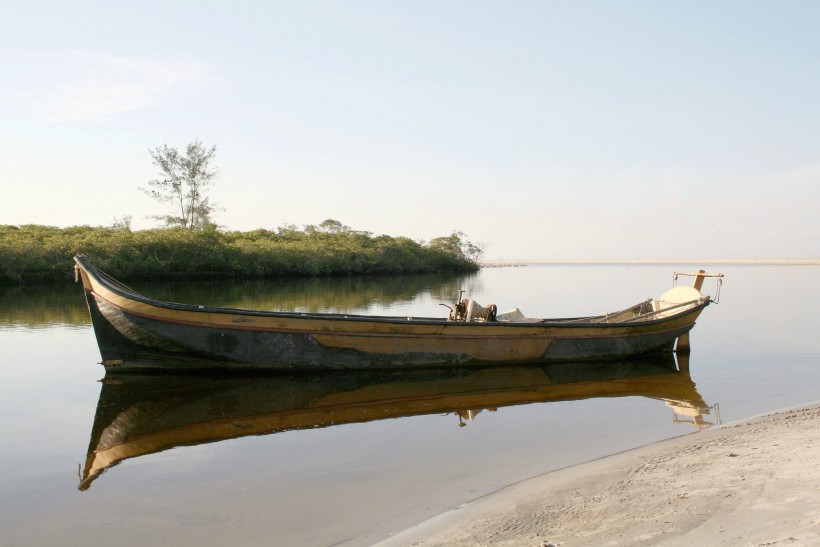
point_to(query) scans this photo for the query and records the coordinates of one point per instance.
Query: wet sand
(752, 482)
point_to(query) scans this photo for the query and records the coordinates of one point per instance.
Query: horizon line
(814, 261)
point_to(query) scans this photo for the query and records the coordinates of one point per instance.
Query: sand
(753, 482)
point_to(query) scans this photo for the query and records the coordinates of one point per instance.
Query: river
(351, 459)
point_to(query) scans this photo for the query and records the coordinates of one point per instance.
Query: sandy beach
(753, 482)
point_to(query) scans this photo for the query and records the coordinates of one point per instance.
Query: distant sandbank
(496, 262)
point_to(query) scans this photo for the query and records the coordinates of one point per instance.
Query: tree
(123, 223)
(457, 246)
(183, 185)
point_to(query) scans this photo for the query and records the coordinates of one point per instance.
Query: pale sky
(545, 129)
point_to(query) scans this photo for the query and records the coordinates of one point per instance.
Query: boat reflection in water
(141, 414)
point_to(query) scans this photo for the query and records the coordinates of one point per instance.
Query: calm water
(244, 461)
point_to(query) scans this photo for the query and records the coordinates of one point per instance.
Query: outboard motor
(468, 310)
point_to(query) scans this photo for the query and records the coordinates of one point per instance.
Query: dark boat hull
(136, 332)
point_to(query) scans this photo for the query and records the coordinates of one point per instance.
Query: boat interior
(674, 301)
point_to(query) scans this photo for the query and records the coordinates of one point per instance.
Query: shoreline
(502, 262)
(754, 481)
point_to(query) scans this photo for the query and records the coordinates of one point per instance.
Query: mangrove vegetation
(43, 254)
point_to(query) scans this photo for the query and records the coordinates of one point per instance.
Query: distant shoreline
(500, 262)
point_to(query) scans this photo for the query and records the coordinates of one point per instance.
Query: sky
(540, 129)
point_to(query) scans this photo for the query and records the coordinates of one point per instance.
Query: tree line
(43, 254)
(192, 246)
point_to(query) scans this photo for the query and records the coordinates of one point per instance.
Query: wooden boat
(134, 331)
(139, 414)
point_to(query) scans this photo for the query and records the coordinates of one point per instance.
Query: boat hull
(134, 332)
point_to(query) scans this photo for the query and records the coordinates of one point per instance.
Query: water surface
(349, 460)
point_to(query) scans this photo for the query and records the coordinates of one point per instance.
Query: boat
(146, 413)
(137, 332)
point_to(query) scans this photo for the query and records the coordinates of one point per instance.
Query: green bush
(43, 254)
